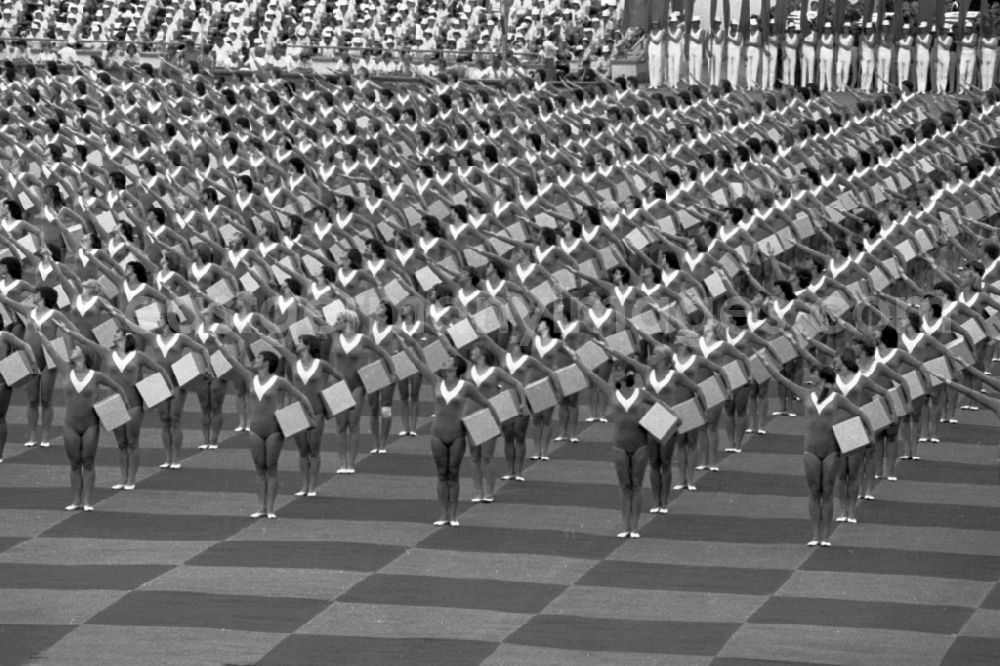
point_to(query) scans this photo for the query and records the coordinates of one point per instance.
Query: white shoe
(118, 486)
(203, 447)
(128, 486)
(87, 507)
(73, 507)
(175, 465)
(29, 444)
(213, 447)
(46, 445)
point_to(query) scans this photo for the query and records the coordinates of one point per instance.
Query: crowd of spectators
(383, 36)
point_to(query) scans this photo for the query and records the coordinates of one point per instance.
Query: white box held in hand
(506, 405)
(16, 368)
(374, 376)
(188, 368)
(338, 398)
(112, 412)
(659, 422)
(851, 434)
(154, 390)
(481, 427)
(540, 395)
(292, 419)
(402, 366)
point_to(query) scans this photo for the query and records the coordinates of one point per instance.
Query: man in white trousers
(675, 49)
(791, 51)
(868, 47)
(904, 55)
(697, 41)
(656, 53)
(826, 42)
(770, 50)
(922, 53)
(943, 61)
(845, 50)
(967, 57)
(810, 44)
(883, 60)
(717, 64)
(987, 59)
(734, 53)
(752, 57)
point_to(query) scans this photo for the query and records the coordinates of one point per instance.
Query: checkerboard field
(176, 571)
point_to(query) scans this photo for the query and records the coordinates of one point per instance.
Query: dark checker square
(453, 593)
(359, 651)
(220, 611)
(298, 555)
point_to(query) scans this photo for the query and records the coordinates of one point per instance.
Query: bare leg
(637, 475)
(73, 444)
(440, 453)
(88, 452)
(489, 470)
(259, 456)
(455, 453)
(475, 452)
(656, 473)
(47, 385)
(829, 467)
(623, 469)
(272, 451)
(814, 480)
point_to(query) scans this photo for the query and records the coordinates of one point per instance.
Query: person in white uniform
(883, 60)
(967, 57)
(987, 57)
(675, 49)
(752, 57)
(656, 54)
(770, 50)
(697, 41)
(809, 49)
(827, 39)
(717, 54)
(845, 49)
(791, 50)
(904, 54)
(943, 61)
(869, 44)
(734, 53)
(922, 56)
